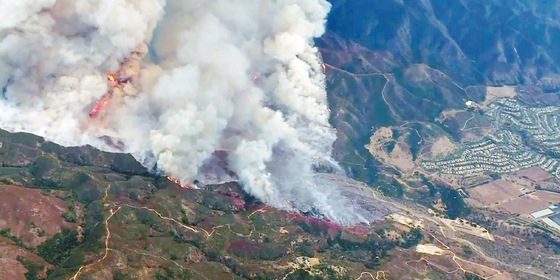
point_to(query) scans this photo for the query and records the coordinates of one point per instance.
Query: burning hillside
(192, 93)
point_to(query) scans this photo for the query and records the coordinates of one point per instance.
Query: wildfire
(112, 80)
(95, 110)
(173, 180)
(99, 106)
(178, 183)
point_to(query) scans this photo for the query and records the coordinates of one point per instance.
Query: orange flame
(95, 110)
(112, 80)
(178, 183)
(173, 180)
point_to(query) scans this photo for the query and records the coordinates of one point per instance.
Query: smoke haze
(187, 99)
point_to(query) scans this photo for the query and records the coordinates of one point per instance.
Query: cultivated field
(523, 205)
(550, 197)
(495, 192)
(535, 174)
(516, 193)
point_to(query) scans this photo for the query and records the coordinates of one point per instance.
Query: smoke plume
(205, 90)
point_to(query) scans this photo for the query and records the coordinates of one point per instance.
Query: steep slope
(404, 62)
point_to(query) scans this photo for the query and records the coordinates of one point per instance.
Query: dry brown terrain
(478, 269)
(550, 197)
(400, 157)
(10, 267)
(535, 174)
(515, 193)
(442, 147)
(493, 93)
(31, 216)
(495, 192)
(448, 114)
(523, 205)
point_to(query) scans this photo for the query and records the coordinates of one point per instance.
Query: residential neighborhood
(522, 137)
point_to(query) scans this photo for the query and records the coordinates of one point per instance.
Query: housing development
(523, 147)
(523, 137)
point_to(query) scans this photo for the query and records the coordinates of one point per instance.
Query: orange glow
(95, 110)
(112, 80)
(106, 102)
(174, 180)
(325, 67)
(178, 183)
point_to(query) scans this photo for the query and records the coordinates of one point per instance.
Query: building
(549, 216)
(553, 221)
(542, 213)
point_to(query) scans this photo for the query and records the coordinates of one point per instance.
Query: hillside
(402, 63)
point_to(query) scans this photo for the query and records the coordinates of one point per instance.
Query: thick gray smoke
(186, 92)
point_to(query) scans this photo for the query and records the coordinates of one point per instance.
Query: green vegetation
(375, 247)
(392, 189)
(305, 249)
(57, 249)
(148, 218)
(327, 274)
(390, 146)
(69, 217)
(410, 239)
(94, 228)
(470, 276)
(414, 141)
(6, 233)
(468, 251)
(454, 204)
(33, 269)
(173, 273)
(121, 275)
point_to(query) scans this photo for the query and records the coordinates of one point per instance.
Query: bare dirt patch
(31, 216)
(429, 249)
(535, 174)
(515, 193)
(448, 114)
(523, 205)
(407, 221)
(453, 181)
(482, 270)
(442, 146)
(550, 197)
(400, 157)
(495, 192)
(493, 93)
(10, 267)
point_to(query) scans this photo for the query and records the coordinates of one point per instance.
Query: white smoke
(190, 98)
